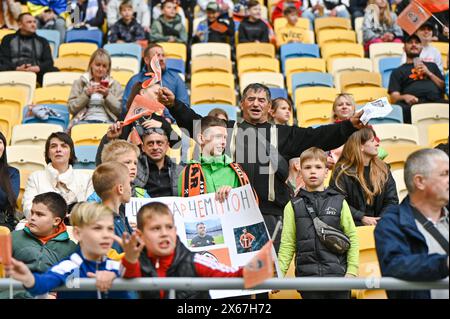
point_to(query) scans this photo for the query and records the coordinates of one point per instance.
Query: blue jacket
(403, 251)
(75, 266)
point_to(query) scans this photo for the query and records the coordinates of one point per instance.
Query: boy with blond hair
(299, 237)
(93, 227)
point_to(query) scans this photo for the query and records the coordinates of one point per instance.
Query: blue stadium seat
(278, 92)
(124, 50)
(85, 156)
(91, 36)
(396, 116)
(306, 79)
(176, 65)
(203, 109)
(53, 38)
(298, 50)
(386, 66)
(62, 120)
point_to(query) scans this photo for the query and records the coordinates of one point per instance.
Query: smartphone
(104, 83)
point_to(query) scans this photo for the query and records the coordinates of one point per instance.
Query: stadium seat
(394, 134)
(341, 50)
(396, 116)
(211, 64)
(24, 174)
(341, 65)
(122, 77)
(378, 51)
(52, 95)
(85, 156)
(282, 21)
(443, 48)
(358, 79)
(13, 98)
(26, 157)
(204, 109)
(19, 79)
(287, 294)
(307, 79)
(91, 36)
(4, 32)
(400, 185)
(213, 95)
(174, 50)
(386, 66)
(437, 134)
(254, 50)
(123, 50)
(60, 78)
(424, 115)
(212, 79)
(89, 134)
(335, 36)
(358, 29)
(62, 118)
(309, 116)
(72, 64)
(129, 64)
(315, 97)
(77, 50)
(210, 50)
(298, 50)
(398, 153)
(258, 65)
(363, 95)
(332, 23)
(33, 134)
(8, 118)
(277, 92)
(53, 38)
(269, 79)
(176, 65)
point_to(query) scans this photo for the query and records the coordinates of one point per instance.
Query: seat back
(76, 50)
(91, 36)
(298, 50)
(363, 95)
(61, 118)
(424, 115)
(269, 79)
(88, 134)
(53, 37)
(212, 79)
(437, 134)
(398, 153)
(400, 185)
(33, 134)
(393, 134)
(19, 79)
(124, 50)
(386, 66)
(85, 156)
(60, 78)
(258, 65)
(211, 50)
(26, 157)
(13, 98)
(219, 95)
(378, 51)
(356, 79)
(211, 64)
(255, 50)
(52, 95)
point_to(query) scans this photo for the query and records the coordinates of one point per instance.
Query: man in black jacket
(25, 50)
(264, 149)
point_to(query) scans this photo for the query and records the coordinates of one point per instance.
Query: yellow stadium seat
(211, 64)
(52, 95)
(76, 50)
(72, 64)
(88, 134)
(282, 21)
(258, 65)
(174, 50)
(310, 115)
(203, 50)
(400, 185)
(424, 115)
(315, 97)
(125, 64)
(394, 134)
(287, 294)
(363, 95)
(346, 65)
(33, 134)
(213, 95)
(443, 48)
(269, 79)
(358, 29)
(13, 98)
(24, 174)
(297, 65)
(328, 36)
(398, 153)
(4, 32)
(3, 231)
(378, 51)
(122, 77)
(8, 118)
(253, 50)
(60, 78)
(26, 157)
(341, 50)
(357, 79)
(331, 23)
(20, 79)
(212, 79)
(437, 134)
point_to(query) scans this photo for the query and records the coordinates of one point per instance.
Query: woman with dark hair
(9, 188)
(364, 179)
(58, 176)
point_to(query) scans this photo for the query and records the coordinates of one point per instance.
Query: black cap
(427, 24)
(408, 38)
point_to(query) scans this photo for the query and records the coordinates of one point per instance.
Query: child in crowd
(156, 251)
(313, 258)
(282, 5)
(94, 229)
(112, 183)
(214, 28)
(290, 32)
(281, 111)
(168, 27)
(126, 29)
(219, 113)
(253, 28)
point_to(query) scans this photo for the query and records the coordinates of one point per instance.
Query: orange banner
(412, 17)
(5, 249)
(140, 107)
(260, 268)
(434, 5)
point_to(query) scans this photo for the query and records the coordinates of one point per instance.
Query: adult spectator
(326, 8)
(282, 5)
(168, 27)
(25, 50)
(96, 97)
(127, 29)
(89, 13)
(356, 8)
(59, 175)
(412, 238)
(225, 7)
(49, 15)
(263, 149)
(9, 188)
(380, 24)
(364, 179)
(9, 13)
(253, 28)
(202, 238)
(140, 8)
(415, 81)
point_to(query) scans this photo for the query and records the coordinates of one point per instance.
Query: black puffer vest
(312, 257)
(182, 266)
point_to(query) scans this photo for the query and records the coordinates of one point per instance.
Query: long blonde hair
(351, 164)
(102, 55)
(386, 18)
